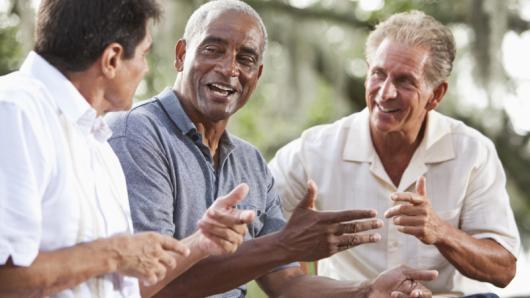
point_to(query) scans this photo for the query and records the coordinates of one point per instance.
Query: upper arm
(147, 174)
(24, 175)
(290, 175)
(487, 194)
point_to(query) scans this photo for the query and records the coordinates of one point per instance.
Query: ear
(111, 59)
(180, 54)
(437, 96)
(260, 70)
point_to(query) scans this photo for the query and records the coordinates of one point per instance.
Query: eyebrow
(218, 40)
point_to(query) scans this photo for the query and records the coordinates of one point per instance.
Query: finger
(348, 215)
(403, 220)
(410, 210)
(225, 246)
(223, 233)
(171, 244)
(229, 219)
(231, 199)
(169, 259)
(421, 186)
(407, 197)
(348, 240)
(359, 226)
(421, 275)
(150, 280)
(414, 231)
(308, 202)
(397, 294)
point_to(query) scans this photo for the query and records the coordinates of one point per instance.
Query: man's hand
(416, 216)
(147, 256)
(223, 226)
(311, 235)
(402, 282)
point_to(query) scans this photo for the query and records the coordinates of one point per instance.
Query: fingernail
(377, 237)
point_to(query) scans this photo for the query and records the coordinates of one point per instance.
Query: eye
(211, 50)
(248, 60)
(378, 74)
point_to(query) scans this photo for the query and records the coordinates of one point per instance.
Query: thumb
(231, 199)
(421, 187)
(308, 202)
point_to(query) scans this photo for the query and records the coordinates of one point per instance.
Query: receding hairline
(200, 17)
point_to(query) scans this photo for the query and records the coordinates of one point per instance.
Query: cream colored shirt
(60, 182)
(465, 182)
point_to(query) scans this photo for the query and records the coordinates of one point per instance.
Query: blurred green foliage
(314, 71)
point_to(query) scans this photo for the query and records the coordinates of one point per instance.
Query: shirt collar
(437, 143)
(66, 96)
(173, 107)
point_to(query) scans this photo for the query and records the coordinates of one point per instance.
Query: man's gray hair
(196, 21)
(415, 28)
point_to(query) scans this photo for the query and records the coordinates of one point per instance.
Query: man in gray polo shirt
(178, 157)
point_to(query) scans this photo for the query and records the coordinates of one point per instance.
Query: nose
(388, 90)
(229, 66)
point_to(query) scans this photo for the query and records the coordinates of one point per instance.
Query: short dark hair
(72, 34)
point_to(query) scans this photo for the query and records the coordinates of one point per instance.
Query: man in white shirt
(438, 182)
(65, 227)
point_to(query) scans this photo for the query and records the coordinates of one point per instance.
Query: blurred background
(314, 73)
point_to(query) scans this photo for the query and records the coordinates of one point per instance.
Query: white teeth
(222, 87)
(386, 110)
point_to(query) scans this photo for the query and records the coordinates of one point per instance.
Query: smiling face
(397, 94)
(219, 66)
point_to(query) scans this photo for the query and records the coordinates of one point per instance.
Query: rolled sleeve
(22, 176)
(487, 212)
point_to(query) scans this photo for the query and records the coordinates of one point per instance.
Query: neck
(395, 150)
(86, 84)
(211, 131)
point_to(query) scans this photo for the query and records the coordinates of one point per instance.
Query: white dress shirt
(465, 182)
(60, 182)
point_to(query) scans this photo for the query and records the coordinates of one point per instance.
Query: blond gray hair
(415, 28)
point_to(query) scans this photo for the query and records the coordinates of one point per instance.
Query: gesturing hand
(147, 256)
(402, 282)
(223, 226)
(312, 235)
(416, 217)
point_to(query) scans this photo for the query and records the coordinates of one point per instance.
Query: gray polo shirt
(170, 175)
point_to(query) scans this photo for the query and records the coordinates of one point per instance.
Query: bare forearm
(219, 274)
(52, 272)
(183, 264)
(480, 259)
(318, 286)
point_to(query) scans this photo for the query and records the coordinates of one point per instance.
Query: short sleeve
(487, 212)
(290, 175)
(147, 175)
(23, 173)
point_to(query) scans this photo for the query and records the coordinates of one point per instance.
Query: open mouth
(387, 110)
(221, 89)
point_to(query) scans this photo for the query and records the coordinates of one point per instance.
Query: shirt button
(393, 244)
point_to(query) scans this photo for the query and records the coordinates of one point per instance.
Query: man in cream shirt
(438, 182)
(65, 226)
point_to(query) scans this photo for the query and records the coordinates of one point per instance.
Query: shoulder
(246, 150)
(23, 92)
(141, 120)
(466, 139)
